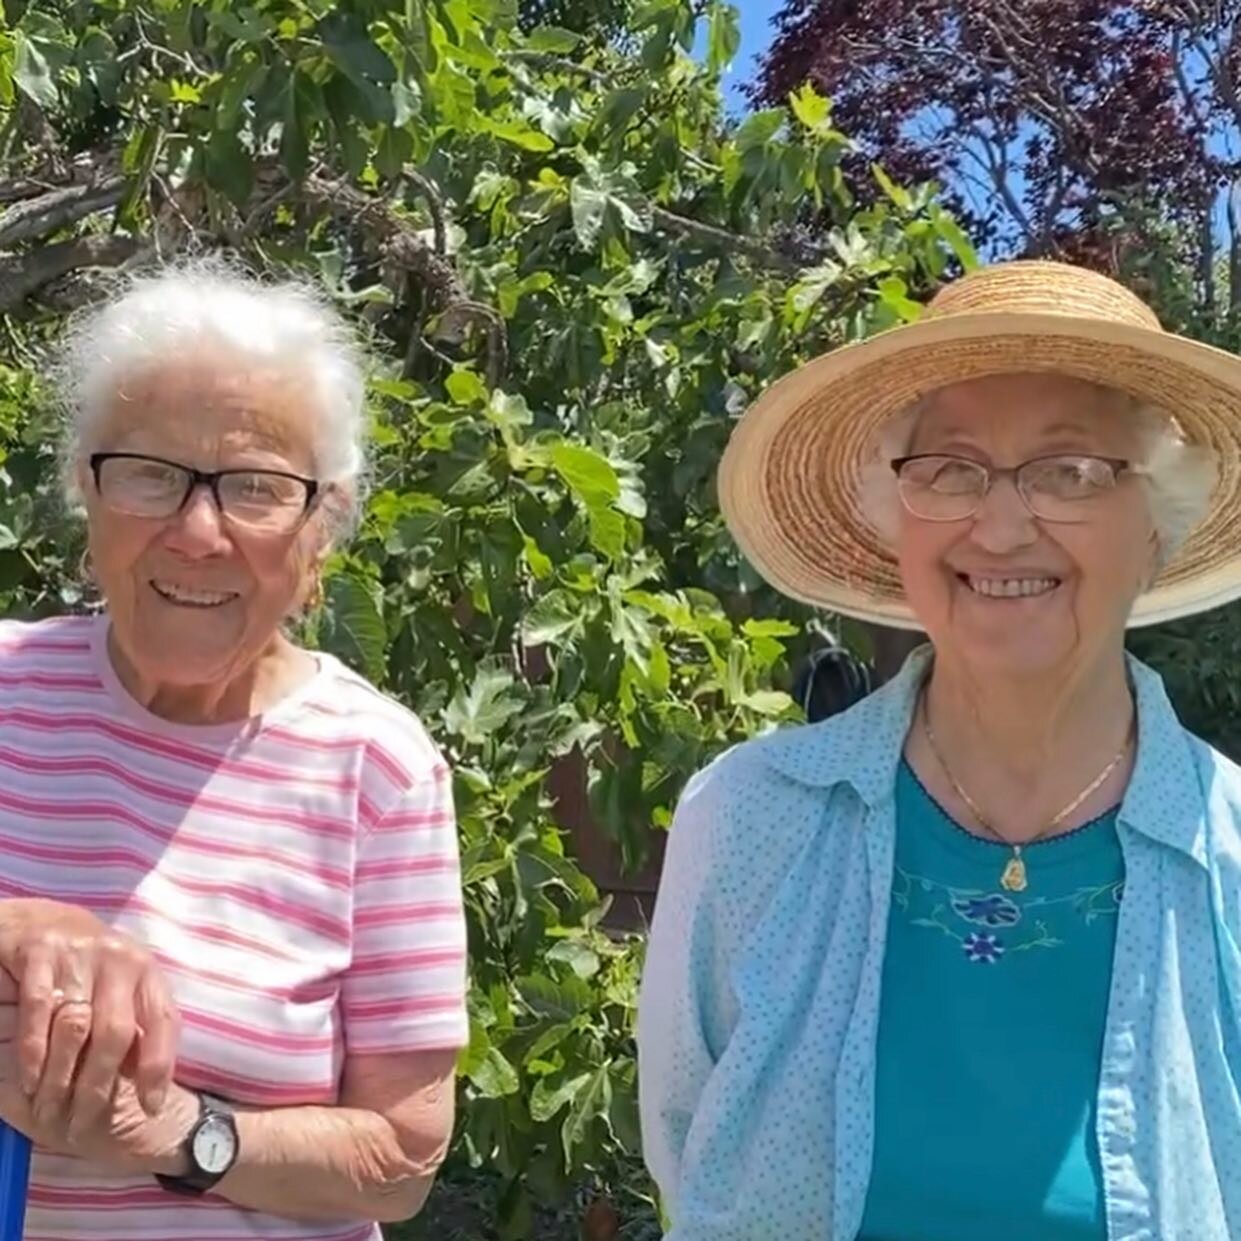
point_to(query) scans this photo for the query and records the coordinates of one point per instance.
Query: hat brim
(789, 478)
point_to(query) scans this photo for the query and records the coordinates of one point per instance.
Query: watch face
(215, 1145)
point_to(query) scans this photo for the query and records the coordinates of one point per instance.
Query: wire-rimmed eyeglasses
(1058, 488)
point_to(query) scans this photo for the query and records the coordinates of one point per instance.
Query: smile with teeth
(187, 597)
(1010, 587)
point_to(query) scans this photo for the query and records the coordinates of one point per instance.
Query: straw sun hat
(789, 478)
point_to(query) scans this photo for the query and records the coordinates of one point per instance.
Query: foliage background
(574, 272)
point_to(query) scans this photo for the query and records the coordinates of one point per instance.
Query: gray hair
(155, 317)
(1179, 476)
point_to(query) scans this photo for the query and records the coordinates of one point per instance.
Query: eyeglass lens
(1057, 488)
(145, 487)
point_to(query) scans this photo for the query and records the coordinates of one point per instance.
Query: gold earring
(314, 598)
(86, 568)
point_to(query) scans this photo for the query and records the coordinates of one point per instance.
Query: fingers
(35, 1004)
(113, 1028)
(61, 952)
(70, 1029)
(157, 1046)
(8, 988)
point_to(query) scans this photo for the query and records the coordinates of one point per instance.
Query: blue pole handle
(14, 1175)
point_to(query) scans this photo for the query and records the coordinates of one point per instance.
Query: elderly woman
(964, 962)
(230, 916)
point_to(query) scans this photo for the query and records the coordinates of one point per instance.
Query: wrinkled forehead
(1028, 412)
(207, 406)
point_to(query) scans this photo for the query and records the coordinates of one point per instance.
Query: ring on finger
(61, 1000)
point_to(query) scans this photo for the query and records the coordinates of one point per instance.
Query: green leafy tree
(575, 274)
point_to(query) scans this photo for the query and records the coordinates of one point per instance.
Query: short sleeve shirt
(296, 875)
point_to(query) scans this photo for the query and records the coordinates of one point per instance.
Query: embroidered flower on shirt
(985, 948)
(994, 910)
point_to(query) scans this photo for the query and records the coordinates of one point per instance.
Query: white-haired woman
(231, 927)
(965, 961)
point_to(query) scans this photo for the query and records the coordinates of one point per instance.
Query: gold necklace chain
(1014, 878)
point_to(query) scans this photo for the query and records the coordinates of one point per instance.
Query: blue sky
(756, 35)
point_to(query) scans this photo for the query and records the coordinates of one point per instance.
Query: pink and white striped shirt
(296, 874)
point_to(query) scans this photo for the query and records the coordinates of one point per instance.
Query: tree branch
(400, 245)
(435, 205)
(1234, 246)
(23, 275)
(549, 61)
(36, 217)
(397, 240)
(722, 238)
(995, 162)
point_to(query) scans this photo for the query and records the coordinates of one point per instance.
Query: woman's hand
(123, 1135)
(90, 1001)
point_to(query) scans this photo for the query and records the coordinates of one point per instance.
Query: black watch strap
(198, 1180)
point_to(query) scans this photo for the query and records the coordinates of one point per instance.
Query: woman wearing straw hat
(964, 962)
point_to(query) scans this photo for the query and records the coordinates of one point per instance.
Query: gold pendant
(1014, 877)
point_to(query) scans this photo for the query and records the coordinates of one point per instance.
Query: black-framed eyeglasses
(266, 501)
(1057, 488)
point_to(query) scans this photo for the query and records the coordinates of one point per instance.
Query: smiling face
(1003, 589)
(194, 599)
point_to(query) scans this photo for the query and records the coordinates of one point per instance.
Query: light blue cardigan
(760, 999)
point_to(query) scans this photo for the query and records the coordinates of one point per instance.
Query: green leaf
(951, 232)
(353, 626)
(547, 1099)
(494, 1077)
(607, 532)
(521, 135)
(553, 39)
(355, 53)
(464, 387)
(657, 46)
(769, 628)
(759, 128)
(508, 410)
(723, 36)
(539, 562)
(242, 82)
(241, 24)
(588, 1104)
(7, 89)
(894, 293)
(228, 167)
(768, 702)
(620, 107)
(406, 102)
(31, 72)
(396, 146)
(138, 161)
(592, 196)
(552, 619)
(811, 108)
(898, 194)
(583, 961)
(589, 475)
(477, 712)
(588, 204)
(300, 106)
(549, 1040)
(559, 1001)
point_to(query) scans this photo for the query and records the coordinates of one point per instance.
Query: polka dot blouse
(760, 1000)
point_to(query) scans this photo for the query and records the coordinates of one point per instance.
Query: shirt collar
(862, 748)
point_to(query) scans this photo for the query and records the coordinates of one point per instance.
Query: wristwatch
(210, 1147)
